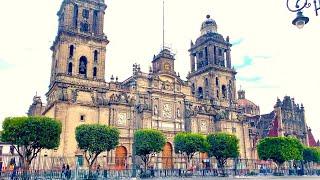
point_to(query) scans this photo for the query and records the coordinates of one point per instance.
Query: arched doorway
(205, 161)
(167, 156)
(121, 157)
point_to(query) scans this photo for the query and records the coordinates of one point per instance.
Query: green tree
(280, 149)
(188, 144)
(29, 135)
(147, 142)
(223, 146)
(311, 154)
(94, 139)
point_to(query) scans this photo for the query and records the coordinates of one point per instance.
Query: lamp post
(297, 6)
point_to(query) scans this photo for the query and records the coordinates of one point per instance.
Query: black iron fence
(115, 168)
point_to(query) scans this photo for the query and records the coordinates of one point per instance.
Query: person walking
(63, 171)
(68, 172)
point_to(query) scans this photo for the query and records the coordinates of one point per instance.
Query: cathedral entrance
(167, 156)
(205, 161)
(121, 158)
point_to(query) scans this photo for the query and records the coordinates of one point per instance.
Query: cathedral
(205, 102)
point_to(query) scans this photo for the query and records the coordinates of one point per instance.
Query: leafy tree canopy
(95, 138)
(189, 143)
(30, 135)
(280, 149)
(223, 146)
(311, 154)
(148, 141)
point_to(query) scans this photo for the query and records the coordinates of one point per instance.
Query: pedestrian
(152, 171)
(63, 171)
(98, 170)
(68, 172)
(14, 172)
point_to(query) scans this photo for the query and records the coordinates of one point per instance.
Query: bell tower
(80, 46)
(211, 76)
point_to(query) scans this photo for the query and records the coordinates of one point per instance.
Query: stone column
(192, 62)
(228, 58)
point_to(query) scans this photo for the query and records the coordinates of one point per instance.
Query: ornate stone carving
(122, 118)
(221, 114)
(167, 111)
(62, 94)
(188, 112)
(122, 98)
(74, 95)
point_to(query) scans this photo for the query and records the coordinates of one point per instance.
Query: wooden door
(121, 157)
(167, 156)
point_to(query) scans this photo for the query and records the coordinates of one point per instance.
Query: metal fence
(122, 168)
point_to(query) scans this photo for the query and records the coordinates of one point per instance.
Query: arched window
(71, 51)
(217, 81)
(200, 93)
(193, 88)
(224, 91)
(95, 72)
(95, 21)
(75, 16)
(206, 82)
(95, 56)
(70, 68)
(83, 66)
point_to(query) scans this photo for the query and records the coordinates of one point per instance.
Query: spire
(162, 24)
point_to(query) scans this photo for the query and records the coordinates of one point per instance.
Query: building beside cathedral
(79, 94)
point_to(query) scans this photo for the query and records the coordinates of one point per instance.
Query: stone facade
(78, 93)
(287, 119)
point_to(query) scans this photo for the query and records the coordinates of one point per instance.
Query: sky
(273, 58)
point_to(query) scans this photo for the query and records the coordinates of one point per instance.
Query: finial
(208, 16)
(112, 78)
(117, 78)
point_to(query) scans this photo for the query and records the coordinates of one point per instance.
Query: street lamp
(300, 20)
(298, 6)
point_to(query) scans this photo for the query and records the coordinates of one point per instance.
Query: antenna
(162, 24)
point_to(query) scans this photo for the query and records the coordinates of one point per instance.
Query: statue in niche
(178, 113)
(93, 98)
(155, 110)
(163, 86)
(122, 98)
(112, 98)
(74, 94)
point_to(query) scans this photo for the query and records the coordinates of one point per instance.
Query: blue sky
(272, 57)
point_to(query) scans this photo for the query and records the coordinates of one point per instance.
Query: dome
(209, 25)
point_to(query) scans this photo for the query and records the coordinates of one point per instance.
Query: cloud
(4, 65)
(247, 61)
(237, 42)
(250, 79)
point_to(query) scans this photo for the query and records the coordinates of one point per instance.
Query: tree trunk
(90, 171)
(221, 163)
(26, 167)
